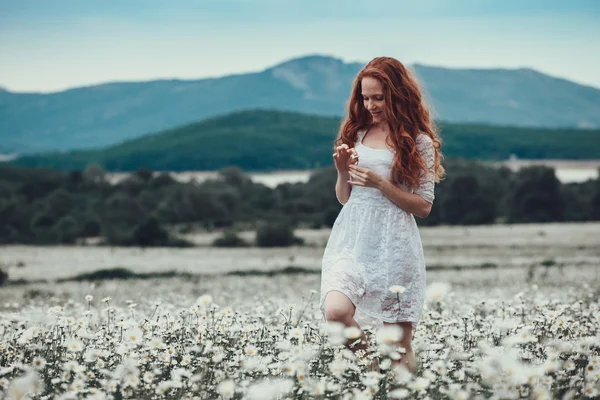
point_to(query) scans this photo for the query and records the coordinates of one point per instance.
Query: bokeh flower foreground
(536, 343)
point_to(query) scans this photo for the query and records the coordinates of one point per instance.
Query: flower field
(503, 333)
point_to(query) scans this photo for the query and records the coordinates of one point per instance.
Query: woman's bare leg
(339, 308)
(408, 359)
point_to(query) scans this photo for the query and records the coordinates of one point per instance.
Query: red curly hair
(406, 115)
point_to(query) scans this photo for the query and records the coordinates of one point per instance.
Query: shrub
(229, 239)
(276, 234)
(150, 233)
(66, 230)
(331, 215)
(91, 227)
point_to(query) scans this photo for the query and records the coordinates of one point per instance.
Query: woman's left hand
(365, 177)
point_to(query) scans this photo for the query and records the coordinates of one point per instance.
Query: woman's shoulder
(423, 139)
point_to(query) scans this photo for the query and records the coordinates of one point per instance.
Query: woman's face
(373, 100)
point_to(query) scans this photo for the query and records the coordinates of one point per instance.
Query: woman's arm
(409, 202)
(420, 202)
(342, 187)
(344, 157)
(413, 203)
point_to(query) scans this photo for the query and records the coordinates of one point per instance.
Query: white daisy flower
(419, 384)
(399, 394)
(352, 332)
(56, 310)
(437, 291)
(73, 344)
(204, 300)
(226, 389)
(38, 363)
(134, 335)
(389, 334)
(397, 289)
(461, 395)
(590, 392)
(218, 357)
(251, 350)
(569, 365)
(148, 377)
(297, 333)
(337, 367)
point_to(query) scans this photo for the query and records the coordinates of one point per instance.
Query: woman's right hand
(343, 157)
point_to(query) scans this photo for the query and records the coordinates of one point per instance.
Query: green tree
(466, 203)
(60, 202)
(150, 233)
(95, 173)
(235, 177)
(276, 234)
(536, 196)
(119, 215)
(66, 230)
(595, 201)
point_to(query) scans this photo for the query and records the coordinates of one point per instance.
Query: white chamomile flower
(73, 344)
(590, 392)
(297, 333)
(397, 289)
(226, 388)
(204, 300)
(148, 377)
(437, 291)
(569, 365)
(337, 367)
(399, 394)
(134, 335)
(251, 350)
(351, 332)
(56, 310)
(389, 334)
(38, 363)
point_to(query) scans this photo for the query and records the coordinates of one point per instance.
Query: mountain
(110, 113)
(262, 140)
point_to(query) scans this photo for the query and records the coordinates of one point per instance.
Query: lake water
(566, 171)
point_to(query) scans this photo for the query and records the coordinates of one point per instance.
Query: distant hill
(111, 113)
(269, 140)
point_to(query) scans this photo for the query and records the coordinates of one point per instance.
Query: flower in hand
(365, 177)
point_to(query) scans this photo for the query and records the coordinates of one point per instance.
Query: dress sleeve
(427, 180)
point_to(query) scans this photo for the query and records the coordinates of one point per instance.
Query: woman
(387, 156)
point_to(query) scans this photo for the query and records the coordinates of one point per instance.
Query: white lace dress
(374, 244)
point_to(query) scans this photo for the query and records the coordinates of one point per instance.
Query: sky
(52, 45)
